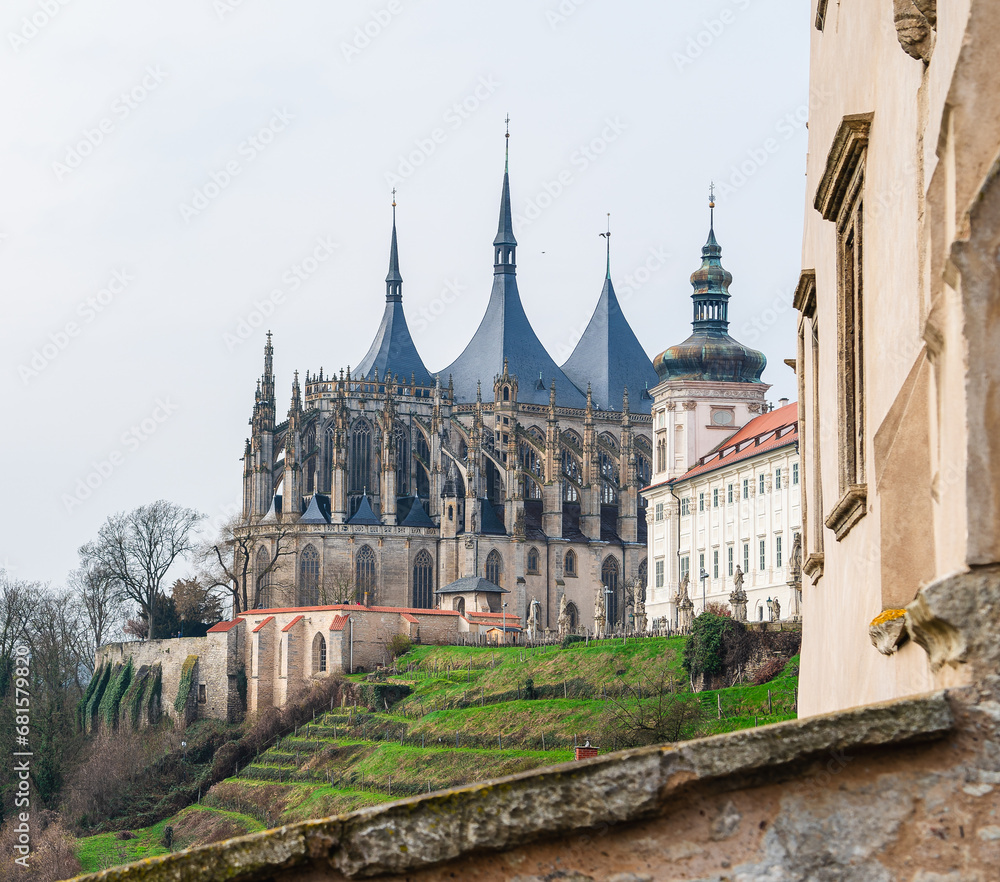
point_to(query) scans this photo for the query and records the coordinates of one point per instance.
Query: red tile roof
(769, 431)
(339, 623)
(293, 623)
(261, 625)
(222, 627)
(353, 607)
(408, 618)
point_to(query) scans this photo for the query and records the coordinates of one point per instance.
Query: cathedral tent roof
(610, 357)
(314, 513)
(505, 335)
(392, 351)
(491, 523)
(416, 516)
(364, 516)
(469, 584)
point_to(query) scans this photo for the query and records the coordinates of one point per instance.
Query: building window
(777, 552)
(760, 484)
(715, 497)
(570, 565)
(659, 573)
(494, 567)
(685, 567)
(360, 461)
(715, 564)
(533, 561)
(701, 502)
(729, 554)
(685, 506)
(701, 564)
(763, 555)
(659, 511)
(263, 580)
(319, 654)
(609, 578)
(309, 577)
(729, 490)
(746, 557)
(574, 615)
(746, 488)
(661, 455)
(423, 581)
(364, 575)
(777, 479)
(795, 473)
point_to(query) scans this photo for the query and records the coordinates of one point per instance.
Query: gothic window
(402, 460)
(263, 579)
(319, 654)
(494, 568)
(574, 616)
(533, 561)
(643, 472)
(569, 565)
(423, 581)
(609, 579)
(364, 575)
(326, 462)
(609, 478)
(360, 457)
(309, 577)
(643, 575)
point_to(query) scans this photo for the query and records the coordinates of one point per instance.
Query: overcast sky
(171, 172)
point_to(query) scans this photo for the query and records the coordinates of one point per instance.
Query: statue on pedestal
(685, 608)
(563, 620)
(534, 619)
(738, 597)
(599, 619)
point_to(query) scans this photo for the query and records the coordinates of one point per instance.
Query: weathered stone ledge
(621, 787)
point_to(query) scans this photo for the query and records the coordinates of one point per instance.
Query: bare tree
(15, 601)
(137, 549)
(104, 610)
(230, 561)
(339, 585)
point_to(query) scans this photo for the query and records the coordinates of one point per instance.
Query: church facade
(387, 483)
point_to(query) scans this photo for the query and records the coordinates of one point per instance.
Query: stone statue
(599, 619)
(738, 597)
(563, 620)
(640, 616)
(534, 619)
(685, 608)
(775, 610)
(795, 577)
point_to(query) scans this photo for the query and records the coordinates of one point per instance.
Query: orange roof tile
(222, 627)
(339, 623)
(264, 622)
(408, 618)
(769, 431)
(353, 607)
(293, 623)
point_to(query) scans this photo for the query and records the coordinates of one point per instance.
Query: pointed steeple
(505, 244)
(505, 336)
(392, 350)
(609, 355)
(393, 281)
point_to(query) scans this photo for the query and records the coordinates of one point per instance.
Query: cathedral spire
(607, 238)
(505, 244)
(393, 281)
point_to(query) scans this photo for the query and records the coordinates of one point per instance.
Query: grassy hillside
(468, 717)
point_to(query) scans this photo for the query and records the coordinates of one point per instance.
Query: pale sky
(171, 172)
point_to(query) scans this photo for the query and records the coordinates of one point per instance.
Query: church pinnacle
(393, 280)
(505, 243)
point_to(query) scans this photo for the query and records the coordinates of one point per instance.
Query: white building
(725, 487)
(738, 507)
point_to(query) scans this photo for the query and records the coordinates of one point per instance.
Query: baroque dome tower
(710, 353)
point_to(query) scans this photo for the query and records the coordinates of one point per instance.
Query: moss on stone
(186, 683)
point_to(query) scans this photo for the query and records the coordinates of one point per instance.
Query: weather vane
(711, 194)
(607, 237)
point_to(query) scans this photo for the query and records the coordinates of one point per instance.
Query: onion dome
(710, 353)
